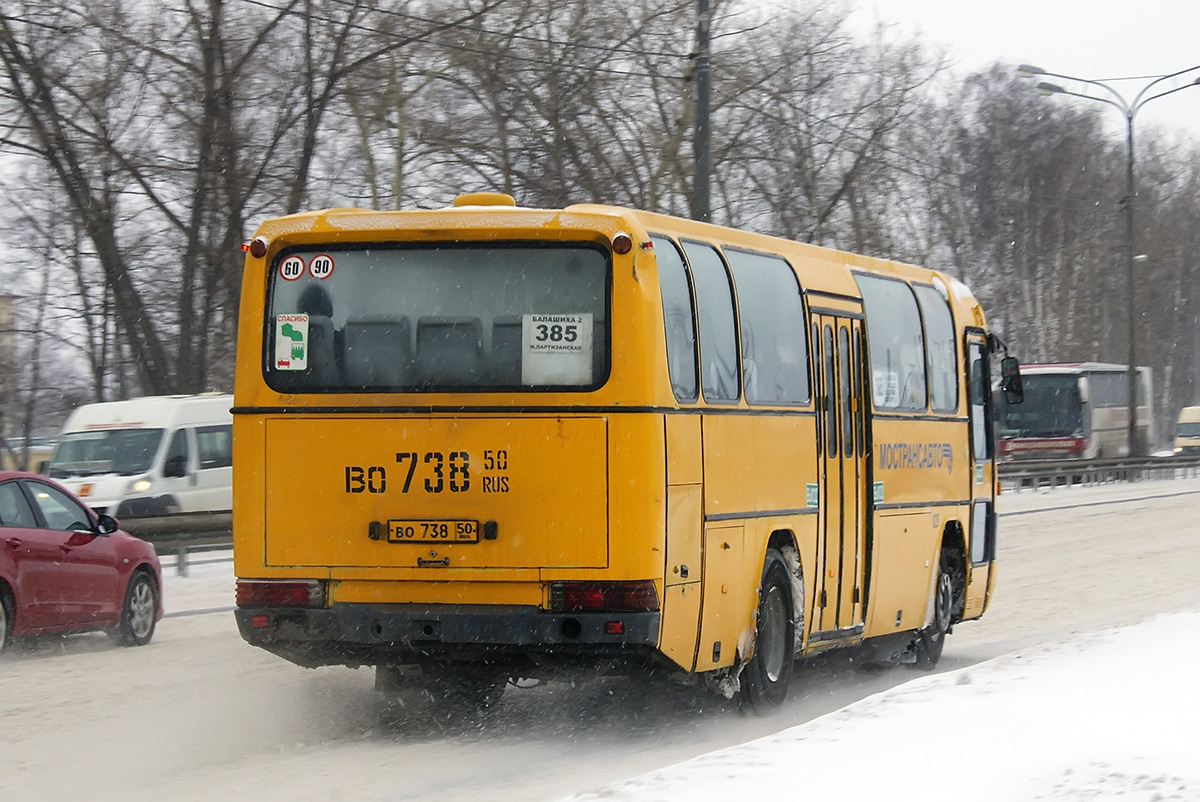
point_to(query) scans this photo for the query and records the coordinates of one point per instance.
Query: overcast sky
(1095, 39)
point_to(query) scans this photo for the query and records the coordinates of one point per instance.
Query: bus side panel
(756, 464)
(922, 461)
(730, 597)
(753, 465)
(637, 501)
(684, 455)
(905, 548)
(683, 569)
(680, 619)
(249, 485)
(979, 589)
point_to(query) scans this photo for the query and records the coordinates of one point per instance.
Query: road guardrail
(184, 533)
(1049, 474)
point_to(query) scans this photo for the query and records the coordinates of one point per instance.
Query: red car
(63, 568)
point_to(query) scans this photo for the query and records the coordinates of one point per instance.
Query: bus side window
(895, 343)
(718, 333)
(977, 396)
(939, 342)
(678, 318)
(771, 317)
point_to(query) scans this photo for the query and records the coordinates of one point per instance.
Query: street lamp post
(1129, 109)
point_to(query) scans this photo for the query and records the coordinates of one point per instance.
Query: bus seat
(322, 353)
(378, 351)
(449, 350)
(506, 350)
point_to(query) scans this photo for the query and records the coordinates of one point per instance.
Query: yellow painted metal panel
(904, 555)
(919, 461)
(757, 463)
(730, 598)
(685, 465)
(456, 592)
(249, 485)
(637, 506)
(680, 619)
(684, 526)
(979, 589)
(328, 479)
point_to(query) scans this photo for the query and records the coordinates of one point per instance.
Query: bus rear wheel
(765, 679)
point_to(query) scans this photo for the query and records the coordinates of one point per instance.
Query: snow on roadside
(1107, 715)
(209, 583)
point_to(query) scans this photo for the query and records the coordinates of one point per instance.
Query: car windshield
(121, 451)
(1188, 430)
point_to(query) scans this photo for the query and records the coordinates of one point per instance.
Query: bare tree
(806, 118)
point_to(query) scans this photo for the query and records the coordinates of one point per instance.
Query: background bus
(1187, 432)
(485, 443)
(1075, 410)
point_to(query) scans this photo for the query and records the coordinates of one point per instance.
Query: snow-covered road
(198, 714)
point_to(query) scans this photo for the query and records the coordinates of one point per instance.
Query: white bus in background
(1075, 410)
(149, 456)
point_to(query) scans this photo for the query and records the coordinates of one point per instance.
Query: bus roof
(819, 268)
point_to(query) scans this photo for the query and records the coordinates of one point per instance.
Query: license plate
(429, 530)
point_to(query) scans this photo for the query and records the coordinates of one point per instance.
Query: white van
(1187, 432)
(149, 456)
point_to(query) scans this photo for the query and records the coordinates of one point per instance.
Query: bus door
(982, 537)
(840, 561)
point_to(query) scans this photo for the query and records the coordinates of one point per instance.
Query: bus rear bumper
(377, 634)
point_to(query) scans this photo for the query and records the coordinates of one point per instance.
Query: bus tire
(765, 679)
(930, 641)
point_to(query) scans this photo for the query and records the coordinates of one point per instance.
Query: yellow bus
(485, 443)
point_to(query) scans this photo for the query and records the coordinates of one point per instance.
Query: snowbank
(1109, 715)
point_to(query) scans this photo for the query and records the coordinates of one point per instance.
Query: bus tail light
(280, 593)
(638, 596)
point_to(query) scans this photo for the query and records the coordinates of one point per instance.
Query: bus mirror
(1010, 380)
(1083, 390)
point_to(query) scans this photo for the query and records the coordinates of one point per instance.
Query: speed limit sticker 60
(291, 268)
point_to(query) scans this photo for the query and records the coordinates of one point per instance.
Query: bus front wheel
(764, 681)
(932, 639)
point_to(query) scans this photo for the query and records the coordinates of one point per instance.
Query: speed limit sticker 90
(321, 266)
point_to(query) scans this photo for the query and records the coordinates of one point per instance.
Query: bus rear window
(455, 317)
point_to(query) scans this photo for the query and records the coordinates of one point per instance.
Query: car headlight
(139, 485)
